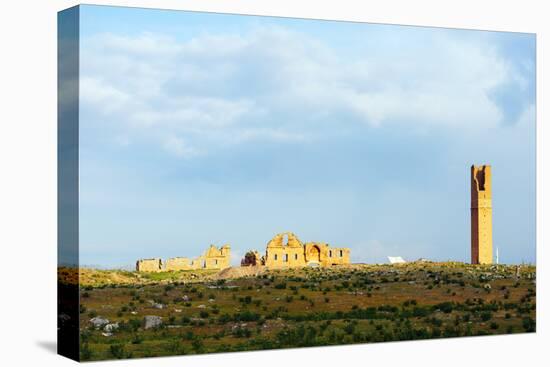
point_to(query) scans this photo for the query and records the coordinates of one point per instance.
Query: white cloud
(274, 84)
(177, 146)
(105, 97)
(269, 135)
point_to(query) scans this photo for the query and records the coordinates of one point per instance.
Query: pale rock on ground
(151, 321)
(99, 321)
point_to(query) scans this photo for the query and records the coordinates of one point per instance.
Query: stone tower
(481, 215)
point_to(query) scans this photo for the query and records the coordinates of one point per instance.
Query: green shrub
(117, 351)
(446, 307)
(198, 345)
(204, 314)
(350, 328)
(529, 324)
(420, 312)
(85, 352)
(486, 315)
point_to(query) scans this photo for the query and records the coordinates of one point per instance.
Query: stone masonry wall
(212, 258)
(149, 265)
(296, 254)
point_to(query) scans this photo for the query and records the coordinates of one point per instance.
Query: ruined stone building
(252, 258)
(149, 265)
(293, 253)
(212, 258)
(284, 250)
(481, 215)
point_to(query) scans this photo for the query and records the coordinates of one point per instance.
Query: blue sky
(204, 128)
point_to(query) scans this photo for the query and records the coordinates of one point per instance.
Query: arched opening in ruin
(314, 254)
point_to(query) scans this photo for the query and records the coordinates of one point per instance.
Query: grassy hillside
(250, 309)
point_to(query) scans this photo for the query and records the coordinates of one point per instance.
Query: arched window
(275, 257)
(330, 253)
(285, 258)
(341, 253)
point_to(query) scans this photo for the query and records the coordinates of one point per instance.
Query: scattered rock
(487, 286)
(151, 321)
(186, 298)
(154, 304)
(99, 321)
(111, 327)
(237, 326)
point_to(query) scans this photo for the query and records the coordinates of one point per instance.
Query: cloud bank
(276, 84)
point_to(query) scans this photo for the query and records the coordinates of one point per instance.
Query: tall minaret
(481, 215)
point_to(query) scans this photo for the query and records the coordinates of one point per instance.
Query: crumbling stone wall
(296, 254)
(252, 258)
(149, 265)
(212, 258)
(177, 263)
(337, 256)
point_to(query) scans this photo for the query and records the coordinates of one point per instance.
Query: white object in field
(396, 260)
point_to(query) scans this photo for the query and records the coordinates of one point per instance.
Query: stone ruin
(294, 253)
(284, 250)
(252, 258)
(149, 265)
(212, 258)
